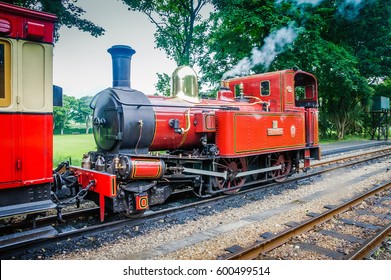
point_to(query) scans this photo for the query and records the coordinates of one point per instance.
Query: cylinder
(146, 168)
(140, 168)
(121, 57)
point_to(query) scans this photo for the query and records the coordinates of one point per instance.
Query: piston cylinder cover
(140, 168)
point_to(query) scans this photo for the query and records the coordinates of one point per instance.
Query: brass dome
(185, 84)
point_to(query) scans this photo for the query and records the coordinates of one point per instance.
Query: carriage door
(8, 116)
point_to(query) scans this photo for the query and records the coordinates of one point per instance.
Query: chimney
(121, 56)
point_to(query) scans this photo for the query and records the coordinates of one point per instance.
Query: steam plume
(350, 9)
(300, 2)
(273, 45)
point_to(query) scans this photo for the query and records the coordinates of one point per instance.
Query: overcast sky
(82, 65)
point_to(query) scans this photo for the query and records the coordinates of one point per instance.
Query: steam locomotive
(258, 128)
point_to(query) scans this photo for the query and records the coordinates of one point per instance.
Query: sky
(81, 63)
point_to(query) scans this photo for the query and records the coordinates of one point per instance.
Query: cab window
(5, 95)
(237, 90)
(265, 88)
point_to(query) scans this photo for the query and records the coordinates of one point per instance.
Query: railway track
(18, 244)
(352, 158)
(299, 233)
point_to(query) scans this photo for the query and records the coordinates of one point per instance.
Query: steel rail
(369, 246)
(350, 157)
(47, 220)
(261, 247)
(158, 214)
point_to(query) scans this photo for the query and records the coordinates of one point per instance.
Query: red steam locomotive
(259, 127)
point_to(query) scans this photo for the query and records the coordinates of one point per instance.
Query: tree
(346, 53)
(179, 29)
(234, 29)
(163, 85)
(63, 115)
(368, 36)
(68, 14)
(175, 22)
(84, 112)
(384, 88)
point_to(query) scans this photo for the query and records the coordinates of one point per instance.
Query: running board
(27, 208)
(20, 238)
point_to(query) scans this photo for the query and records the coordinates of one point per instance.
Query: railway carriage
(26, 106)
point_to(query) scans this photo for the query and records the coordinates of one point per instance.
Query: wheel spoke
(234, 165)
(281, 159)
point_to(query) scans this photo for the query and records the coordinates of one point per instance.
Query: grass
(346, 139)
(72, 147)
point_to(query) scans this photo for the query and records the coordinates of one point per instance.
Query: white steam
(350, 9)
(273, 45)
(300, 2)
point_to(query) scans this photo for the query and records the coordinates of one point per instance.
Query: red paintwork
(206, 122)
(104, 184)
(22, 23)
(311, 117)
(248, 130)
(251, 87)
(257, 125)
(142, 202)
(27, 149)
(165, 138)
(253, 133)
(146, 168)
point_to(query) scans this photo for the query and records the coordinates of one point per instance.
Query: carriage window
(265, 88)
(5, 99)
(2, 89)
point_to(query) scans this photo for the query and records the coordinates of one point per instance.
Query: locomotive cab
(306, 92)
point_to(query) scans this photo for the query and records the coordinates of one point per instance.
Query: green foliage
(384, 88)
(163, 86)
(68, 13)
(346, 47)
(368, 38)
(73, 111)
(84, 112)
(179, 30)
(63, 115)
(234, 30)
(175, 22)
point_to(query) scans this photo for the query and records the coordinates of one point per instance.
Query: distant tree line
(74, 113)
(345, 43)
